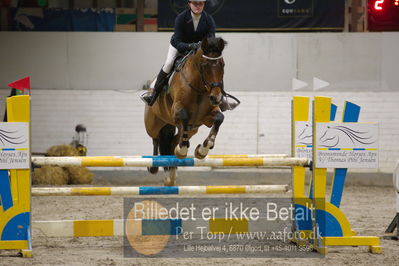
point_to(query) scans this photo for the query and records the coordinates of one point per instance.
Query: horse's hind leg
(155, 142)
(166, 137)
(170, 178)
(202, 150)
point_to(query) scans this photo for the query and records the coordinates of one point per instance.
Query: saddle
(177, 67)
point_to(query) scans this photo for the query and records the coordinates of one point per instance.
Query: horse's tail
(166, 136)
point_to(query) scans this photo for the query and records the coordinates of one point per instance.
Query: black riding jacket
(184, 30)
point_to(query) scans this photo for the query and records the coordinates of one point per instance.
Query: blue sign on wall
(54, 19)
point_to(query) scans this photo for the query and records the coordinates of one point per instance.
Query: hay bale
(50, 175)
(55, 175)
(62, 150)
(79, 175)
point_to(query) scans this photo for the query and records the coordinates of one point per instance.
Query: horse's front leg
(155, 143)
(202, 150)
(182, 146)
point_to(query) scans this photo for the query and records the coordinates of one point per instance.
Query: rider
(191, 26)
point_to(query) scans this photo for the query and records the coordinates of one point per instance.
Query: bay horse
(196, 91)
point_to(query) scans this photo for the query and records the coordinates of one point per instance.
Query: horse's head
(212, 68)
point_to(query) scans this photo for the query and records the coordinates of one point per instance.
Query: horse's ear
(221, 44)
(204, 44)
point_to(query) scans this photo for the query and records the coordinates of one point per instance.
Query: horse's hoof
(181, 153)
(170, 178)
(152, 170)
(198, 154)
(168, 182)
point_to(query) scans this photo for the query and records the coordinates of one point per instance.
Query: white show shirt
(196, 19)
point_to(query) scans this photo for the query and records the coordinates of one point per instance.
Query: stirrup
(144, 95)
(229, 102)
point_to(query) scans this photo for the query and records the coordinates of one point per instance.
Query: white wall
(95, 79)
(261, 124)
(268, 61)
(348, 61)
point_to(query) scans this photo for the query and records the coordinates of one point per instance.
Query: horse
(195, 92)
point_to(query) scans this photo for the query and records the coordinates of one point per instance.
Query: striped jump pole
(214, 156)
(113, 161)
(248, 156)
(177, 190)
(115, 227)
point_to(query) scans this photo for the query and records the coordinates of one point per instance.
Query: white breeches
(170, 59)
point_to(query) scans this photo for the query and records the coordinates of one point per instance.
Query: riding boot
(150, 100)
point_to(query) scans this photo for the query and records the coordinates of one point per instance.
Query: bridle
(209, 86)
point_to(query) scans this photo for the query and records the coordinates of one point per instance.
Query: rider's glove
(194, 45)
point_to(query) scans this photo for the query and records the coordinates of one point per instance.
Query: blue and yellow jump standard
(330, 223)
(15, 208)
